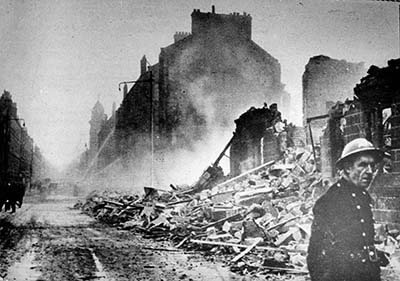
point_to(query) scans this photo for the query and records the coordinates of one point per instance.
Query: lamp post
(151, 116)
(31, 168)
(86, 157)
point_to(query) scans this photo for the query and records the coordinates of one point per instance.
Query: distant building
(326, 81)
(107, 151)
(96, 121)
(19, 158)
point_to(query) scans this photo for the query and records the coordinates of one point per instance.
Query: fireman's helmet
(357, 146)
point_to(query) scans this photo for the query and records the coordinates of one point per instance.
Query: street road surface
(50, 240)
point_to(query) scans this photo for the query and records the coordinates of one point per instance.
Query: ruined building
(261, 136)
(375, 115)
(201, 82)
(326, 81)
(204, 78)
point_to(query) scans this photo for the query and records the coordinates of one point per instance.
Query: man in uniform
(342, 238)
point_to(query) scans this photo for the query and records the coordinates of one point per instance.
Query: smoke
(183, 166)
(170, 166)
(223, 79)
(208, 91)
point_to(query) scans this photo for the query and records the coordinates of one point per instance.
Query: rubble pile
(258, 221)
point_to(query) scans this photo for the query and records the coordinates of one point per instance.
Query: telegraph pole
(151, 117)
(31, 167)
(21, 143)
(151, 130)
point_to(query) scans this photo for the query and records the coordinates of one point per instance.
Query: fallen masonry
(258, 222)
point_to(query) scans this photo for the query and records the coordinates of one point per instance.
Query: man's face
(361, 171)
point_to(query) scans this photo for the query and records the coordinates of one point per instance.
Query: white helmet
(360, 145)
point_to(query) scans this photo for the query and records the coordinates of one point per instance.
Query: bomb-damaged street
(49, 240)
(143, 140)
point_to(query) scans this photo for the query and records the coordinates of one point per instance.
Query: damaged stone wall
(261, 137)
(373, 114)
(379, 94)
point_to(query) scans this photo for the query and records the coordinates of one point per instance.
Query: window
(386, 123)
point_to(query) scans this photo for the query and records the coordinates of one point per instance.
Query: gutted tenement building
(201, 82)
(326, 81)
(375, 115)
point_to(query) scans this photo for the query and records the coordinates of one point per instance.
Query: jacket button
(362, 220)
(338, 184)
(363, 260)
(353, 194)
(358, 207)
(365, 247)
(363, 234)
(364, 193)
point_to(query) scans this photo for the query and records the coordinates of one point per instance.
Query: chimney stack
(213, 9)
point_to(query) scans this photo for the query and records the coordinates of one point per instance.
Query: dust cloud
(208, 102)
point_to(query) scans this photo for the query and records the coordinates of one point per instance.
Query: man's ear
(346, 168)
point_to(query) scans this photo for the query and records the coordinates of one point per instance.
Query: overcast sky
(58, 57)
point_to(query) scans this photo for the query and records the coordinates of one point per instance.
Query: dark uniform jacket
(342, 236)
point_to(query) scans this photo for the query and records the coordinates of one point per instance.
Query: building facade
(19, 158)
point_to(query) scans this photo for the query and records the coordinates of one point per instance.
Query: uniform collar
(348, 186)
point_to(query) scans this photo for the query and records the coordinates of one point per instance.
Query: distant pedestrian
(9, 203)
(18, 192)
(342, 239)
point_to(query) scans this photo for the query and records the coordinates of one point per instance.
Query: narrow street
(50, 240)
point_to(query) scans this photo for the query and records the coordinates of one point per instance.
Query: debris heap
(258, 221)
